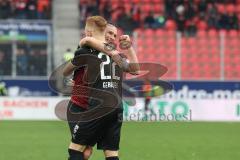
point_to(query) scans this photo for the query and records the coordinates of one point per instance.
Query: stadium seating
(232, 56)
(154, 46)
(200, 56)
(197, 57)
(25, 9)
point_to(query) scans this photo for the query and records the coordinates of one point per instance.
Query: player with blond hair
(105, 131)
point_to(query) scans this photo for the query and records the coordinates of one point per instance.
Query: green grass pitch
(48, 140)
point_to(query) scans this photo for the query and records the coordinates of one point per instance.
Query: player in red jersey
(82, 101)
(108, 145)
(77, 101)
(79, 97)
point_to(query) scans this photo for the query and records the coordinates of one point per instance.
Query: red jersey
(79, 93)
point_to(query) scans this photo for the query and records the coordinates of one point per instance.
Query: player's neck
(99, 37)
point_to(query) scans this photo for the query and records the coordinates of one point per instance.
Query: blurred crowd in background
(186, 16)
(25, 9)
(31, 60)
(5, 63)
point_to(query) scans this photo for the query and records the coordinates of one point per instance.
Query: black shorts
(74, 109)
(104, 131)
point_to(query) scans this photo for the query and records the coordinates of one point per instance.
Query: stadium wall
(188, 101)
(161, 109)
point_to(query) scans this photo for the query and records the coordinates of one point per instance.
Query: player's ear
(89, 33)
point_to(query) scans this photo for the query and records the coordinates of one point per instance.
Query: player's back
(106, 78)
(80, 92)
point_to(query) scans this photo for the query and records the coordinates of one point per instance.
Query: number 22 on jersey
(104, 65)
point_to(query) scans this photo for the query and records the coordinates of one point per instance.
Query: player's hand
(69, 82)
(125, 42)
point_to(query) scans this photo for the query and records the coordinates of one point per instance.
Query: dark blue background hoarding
(41, 87)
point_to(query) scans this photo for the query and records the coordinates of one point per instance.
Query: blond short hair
(97, 22)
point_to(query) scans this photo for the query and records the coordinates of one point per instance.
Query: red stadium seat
(138, 31)
(183, 42)
(239, 33)
(203, 42)
(127, 7)
(101, 1)
(146, 8)
(136, 1)
(202, 25)
(184, 59)
(201, 33)
(215, 50)
(148, 32)
(139, 48)
(140, 42)
(236, 52)
(115, 16)
(158, 8)
(158, 1)
(125, 2)
(170, 25)
(172, 50)
(212, 33)
(159, 32)
(202, 51)
(194, 51)
(213, 58)
(112, 2)
(146, 1)
(191, 41)
(233, 42)
(231, 8)
(149, 41)
(164, 49)
(221, 8)
(159, 41)
(171, 42)
(238, 9)
(115, 5)
(213, 42)
(171, 33)
(200, 55)
(233, 33)
(227, 52)
(160, 49)
(152, 52)
(223, 32)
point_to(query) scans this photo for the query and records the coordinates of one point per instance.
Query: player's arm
(134, 67)
(131, 55)
(96, 44)
(68, 69)
(74, 63)
(99, 45)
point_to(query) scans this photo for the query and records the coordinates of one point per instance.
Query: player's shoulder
(84, 50)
